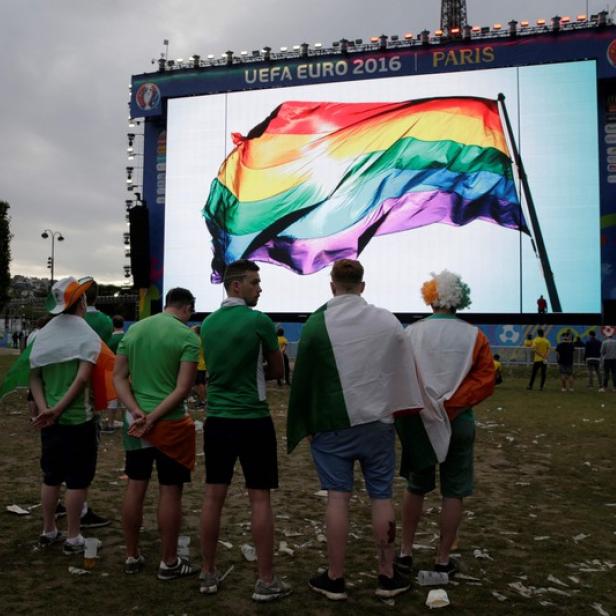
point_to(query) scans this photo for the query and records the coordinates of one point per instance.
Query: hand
(141, 426)
(45, 419)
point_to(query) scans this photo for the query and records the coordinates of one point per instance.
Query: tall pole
(48, 233)
(534, 220)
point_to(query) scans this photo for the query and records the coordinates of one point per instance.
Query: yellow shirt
(528, 343)
(282, 343)
(542, 348)
(498, 366)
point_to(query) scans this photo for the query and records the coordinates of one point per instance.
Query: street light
(48, 233)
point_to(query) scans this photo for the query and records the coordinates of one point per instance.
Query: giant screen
(300, 198)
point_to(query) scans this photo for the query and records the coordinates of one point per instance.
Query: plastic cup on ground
(90, 553)
(432, 578)
(184, 546)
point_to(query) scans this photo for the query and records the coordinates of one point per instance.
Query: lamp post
(48, 233)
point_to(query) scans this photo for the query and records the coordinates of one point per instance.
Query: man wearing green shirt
(155, 369)
(62, 359)
(237, 340)
(118, 332)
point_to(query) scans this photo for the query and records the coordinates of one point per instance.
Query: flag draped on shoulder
(354, 366)
(444, 352)
(315, 181)
(68, 337)
(18, 375)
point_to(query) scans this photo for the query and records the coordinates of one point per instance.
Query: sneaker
(404, 564)
(60, 510)
(209, 582)
(332, 589)
(92, 520)
(134, 565)
(74, 548)
(451, 568)
(276, 589)
(392, 586)
(182, 568)
(45, 540)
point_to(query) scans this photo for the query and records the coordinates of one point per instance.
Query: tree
(5, 252)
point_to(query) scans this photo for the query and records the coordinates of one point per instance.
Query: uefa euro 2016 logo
(148, 96)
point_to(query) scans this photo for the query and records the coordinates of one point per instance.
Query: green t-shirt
(154, 348)
(101, 323)
(115, 341)
(57, 378)
(234, 338)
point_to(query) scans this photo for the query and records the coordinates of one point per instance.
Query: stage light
(424, 37)
(408, 36)
(565, 20)
(524, 23)
(126, 239)
(284, 48)
(210, 56)
(581, 18)
(296, 47)
(383, 42)
(476, 29)
(466, 33)
(303, 50)
(170, 63)
(344, 45)
(318, 45)
(485, 29)
(359, 41)
(541, 22)
(243, 53)
(179, 60)
(267, 53)
(438, 33)
(454, 31)
(229, 56)
(556, 23)
(161, 65)
(374, 39)
(129, 203)
(127, 252)
(196, 60)
(497, 27)
(394, 37)
(513, 27)
(131, 123)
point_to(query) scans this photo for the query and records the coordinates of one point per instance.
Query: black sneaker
(451, 568)
(45, 540)
(404, 565)
(392, 586)
(60, 510)
(134, 565)
(332, 589)
(91, 520)
(74, 548)
(182, 568)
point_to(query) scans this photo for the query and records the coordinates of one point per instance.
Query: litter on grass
(482, 554)
(78, 571)
(248, 552)
(227, 544)
(17, 509)
(599, 609)
(498, 596)
(437, 598)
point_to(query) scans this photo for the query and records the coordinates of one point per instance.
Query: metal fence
(523, 356)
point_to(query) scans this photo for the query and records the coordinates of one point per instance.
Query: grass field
(539, 536)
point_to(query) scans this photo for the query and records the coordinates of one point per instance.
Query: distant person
(541, 351)
(542, 305)
(118, 332)
(498, 369)
(564, 356)
(578, 343)
(15, 340)
(283, 343)
(528, 342)
(354, 369)
(456, 372)
(241, 352)
(100, 322)
(608, 355)
(154, 373)
(21, 339)
(592, 357)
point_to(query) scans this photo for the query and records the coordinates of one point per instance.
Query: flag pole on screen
(537, 236)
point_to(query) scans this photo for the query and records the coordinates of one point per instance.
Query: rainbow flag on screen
(315, 182)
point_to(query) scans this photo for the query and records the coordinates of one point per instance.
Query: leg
(451, 515)
(412, 508)
(544, 369)
(73, 500)
(533, 374)
(213, 501)
(337, 529)
(132, 515)
(169, 521)
(262, 528)
(49, 501)
(384, 527)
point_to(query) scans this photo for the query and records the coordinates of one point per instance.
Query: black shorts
(201, 379)
(68, 454)
(253, 441)
(139, 463)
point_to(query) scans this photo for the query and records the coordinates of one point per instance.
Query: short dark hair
(280, 331)
(496, 356)
(92, 293)
(237, 270)
(592, 333)
(118, 321)
(347, 272)
(179, 297)
(540, 332)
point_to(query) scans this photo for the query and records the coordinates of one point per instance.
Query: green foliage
(5, 252)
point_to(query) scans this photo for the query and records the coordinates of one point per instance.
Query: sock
(76, 540)
(164, 565)
(52, 534)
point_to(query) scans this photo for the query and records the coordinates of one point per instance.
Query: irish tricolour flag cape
(64, 338)
(354, 366)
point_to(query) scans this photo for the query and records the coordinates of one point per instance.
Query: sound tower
(138, 219)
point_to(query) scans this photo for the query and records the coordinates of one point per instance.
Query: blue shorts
(334, 454)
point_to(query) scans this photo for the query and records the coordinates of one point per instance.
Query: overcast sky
(64, 92)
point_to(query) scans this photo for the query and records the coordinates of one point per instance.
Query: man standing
(63, 359)
(99, 321)
(541, 350)
(456, 372)
(592, 356)
(354, 369)
(608, 355)
(118, 332)
(236, 342)
(542, 305)
(564, 354)
(155, 370)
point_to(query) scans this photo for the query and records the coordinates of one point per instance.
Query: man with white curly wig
(456, 372)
